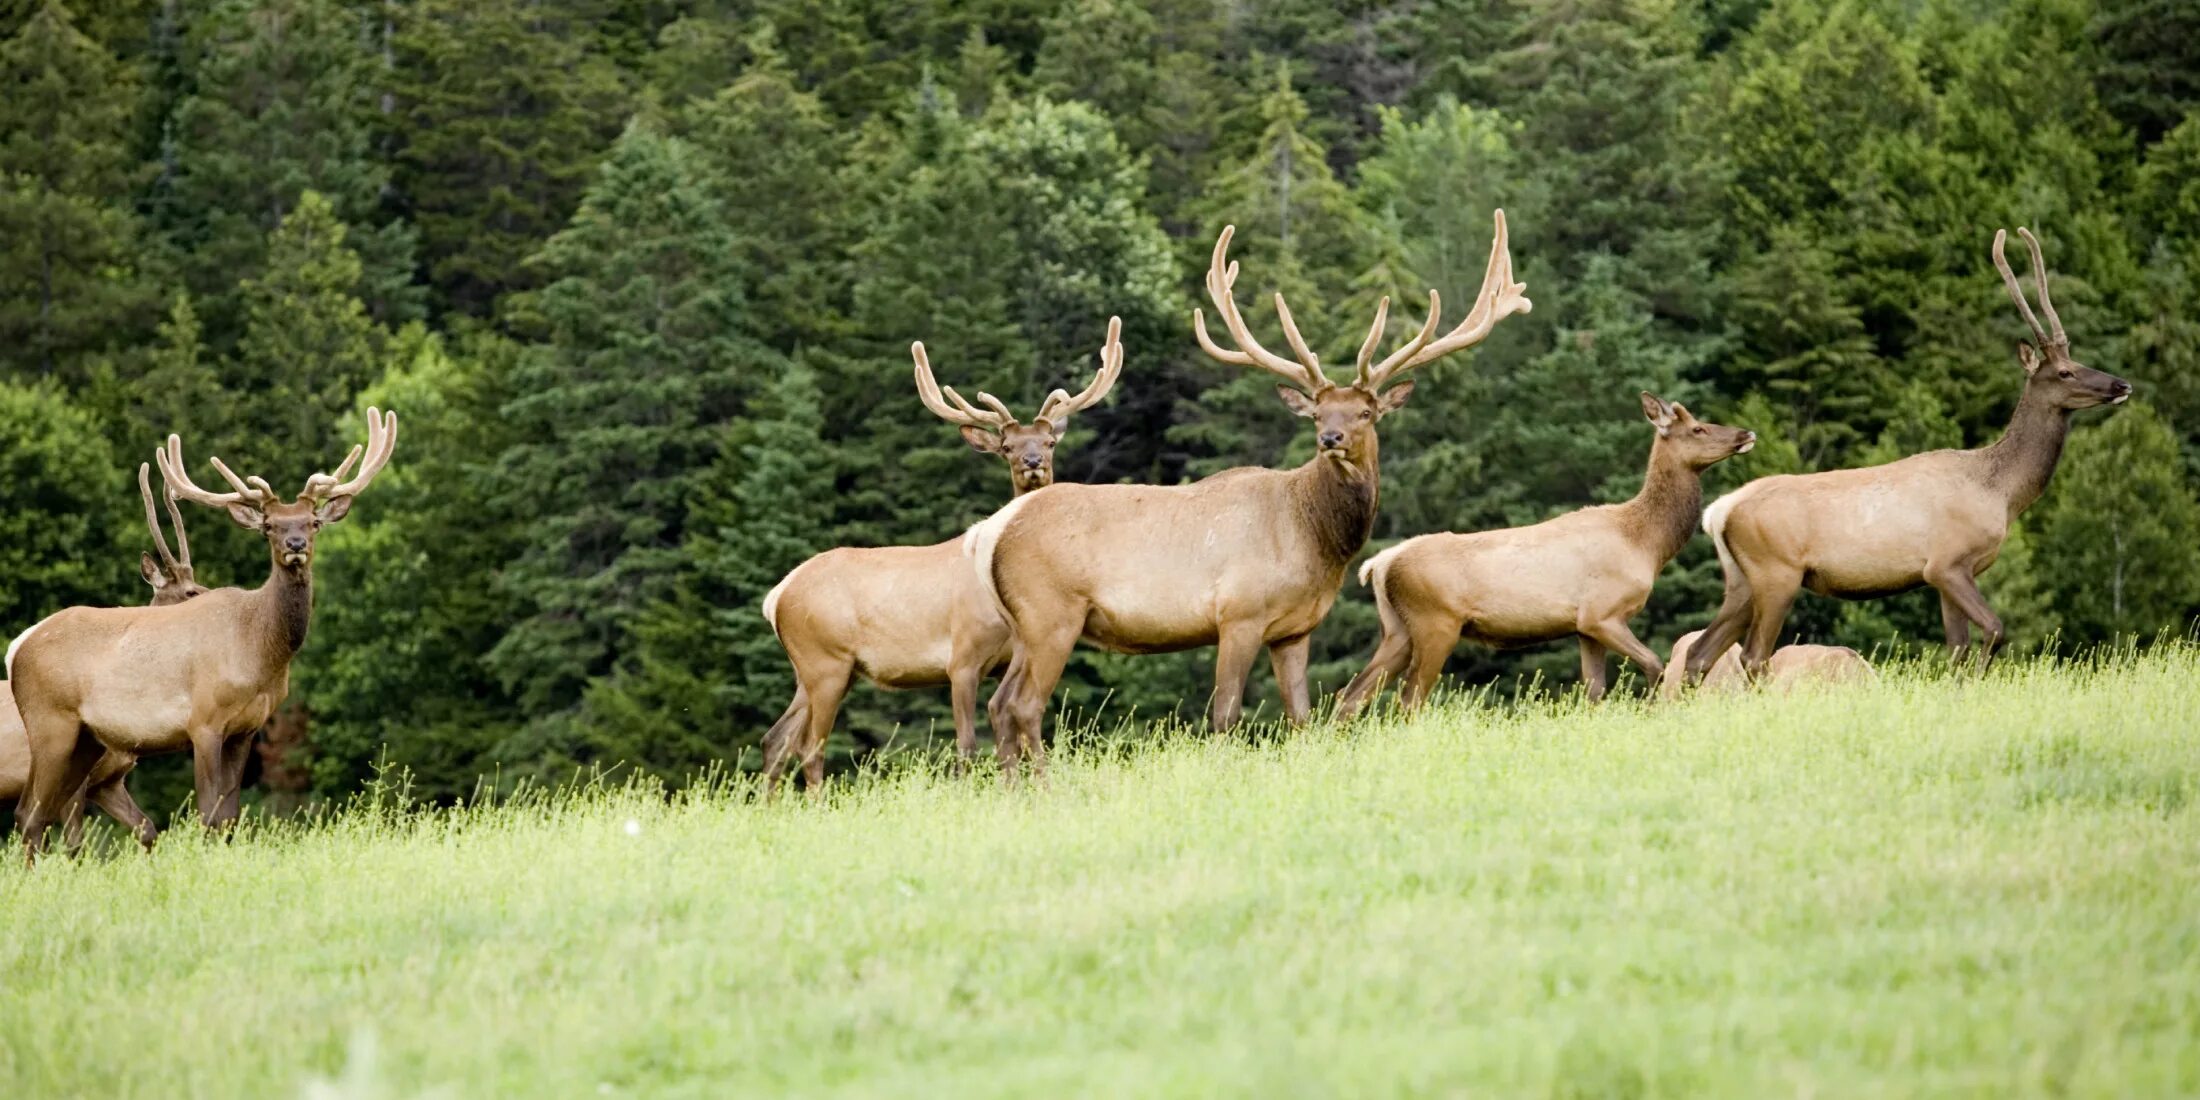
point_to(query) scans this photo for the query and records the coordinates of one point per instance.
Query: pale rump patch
(1377, 564)
(771, 598)
(983, 538)
(18, 644)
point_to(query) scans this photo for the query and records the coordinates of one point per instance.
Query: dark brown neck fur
(1336, 504)
(2019, 464)
(285, 611)
(1663, 516)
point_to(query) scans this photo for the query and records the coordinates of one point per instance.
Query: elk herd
(1246, 560)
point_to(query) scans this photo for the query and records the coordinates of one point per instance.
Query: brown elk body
(201, 675)
(1247, 560)
(911, 616)
(1789, 667)
(1937, 518)
(173, 581)
(1581, 575)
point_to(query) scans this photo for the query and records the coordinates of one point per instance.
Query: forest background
(641, 276)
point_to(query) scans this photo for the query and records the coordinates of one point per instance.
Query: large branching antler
(1499, 298)
(2049, 337)
(381, 440)
(1059, 405)
(1222, 272)
(173, 563)
(170, 460)
(948, 405)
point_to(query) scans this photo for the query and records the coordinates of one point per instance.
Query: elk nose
(1332, 440)
(2120, 390)
(296, 544)
(1033, 462)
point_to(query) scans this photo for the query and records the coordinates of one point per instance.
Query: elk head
(1696, 443)
(1027, 448)
(2051, 376)
(171, 577)
(289, 527)
(1344, 416)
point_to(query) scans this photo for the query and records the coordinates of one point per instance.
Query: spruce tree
(640, 350)
(64, 509)
(72, 277)
(284, 98)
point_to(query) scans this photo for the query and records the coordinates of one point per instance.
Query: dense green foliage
(1923, 887)
(641, 279)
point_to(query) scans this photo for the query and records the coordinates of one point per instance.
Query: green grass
(1930, 886)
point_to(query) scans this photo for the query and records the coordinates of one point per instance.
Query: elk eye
(1700, 430)
(1367, 414)
(2068, 373)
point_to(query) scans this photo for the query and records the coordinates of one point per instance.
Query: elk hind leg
(1772, 596)
(1961, 588)
(106, 791)
(1019, 706)
(1726, 628)
(63, 753)
(783, 737)
(1432, 638)
(1392, 655)
(825, 694)
(1614, 634)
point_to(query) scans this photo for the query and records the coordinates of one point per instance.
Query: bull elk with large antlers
(1580, 575)
(173, 581)
(912, 616)
(1245, 560)
(204, 674)
(1936, 518)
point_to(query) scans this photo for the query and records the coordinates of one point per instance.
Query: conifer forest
(642, 277)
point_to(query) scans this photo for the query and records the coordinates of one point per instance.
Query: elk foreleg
(1958, 586)
(1613, 633)
(113, 799)
(1288, 659)
(217, 770)
(1593, 671)
(1234, 653)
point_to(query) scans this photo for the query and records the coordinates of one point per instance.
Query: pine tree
(501, 110)
(284, 100)
(641, 350)
(71, 268)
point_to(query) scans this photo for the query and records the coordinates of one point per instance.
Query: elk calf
(1936, 518)
(1581, 575)
(911, 616)
(173, 582)
(1247, 560)
(1790, 666)
(204, 674)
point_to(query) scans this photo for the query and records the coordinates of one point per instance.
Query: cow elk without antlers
(912, 616)
(1580, 575)
(1242, 561)
(1936, 518)
(173, 582)
(204, 674)
(1790, 667)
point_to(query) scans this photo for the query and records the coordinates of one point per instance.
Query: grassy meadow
(1930, 886)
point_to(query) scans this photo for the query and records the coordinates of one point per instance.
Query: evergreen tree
(2119, 532)
(71, 280)
(284, 98)
(640, 351)
(501, 108)
(308, 346)
(708, 675)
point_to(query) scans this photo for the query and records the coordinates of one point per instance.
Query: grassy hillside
(1928, 886)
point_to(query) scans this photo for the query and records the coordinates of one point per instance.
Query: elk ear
(1394, 398)
(151, 571)
(981, 441)
(2029, 358)
(1299, 402)
(1657, 412)
(333, 509)
(246, 516)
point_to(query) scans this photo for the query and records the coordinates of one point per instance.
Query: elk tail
(979, 544)
(771, 598)
(1714, 524)
(1376, 575)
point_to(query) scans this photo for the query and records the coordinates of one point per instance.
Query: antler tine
(2039, 279)
(998, 406)
(1376, 377)
(170, 461)
(2016, 290)
(316, 483)
(175, 517)
(1060, 405)
(936, 397)
(1221, 279)
(1374, 336)
(152, 517)
(1499, 298)
(381, 440)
